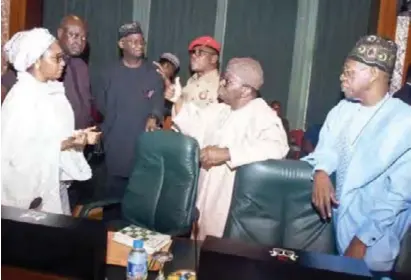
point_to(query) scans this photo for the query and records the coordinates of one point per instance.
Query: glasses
(351, 73)
(58, 58)
(200, 52)
(283, 254)
(225, 82)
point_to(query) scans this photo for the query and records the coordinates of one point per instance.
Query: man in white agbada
(41, 152)
(239, 131)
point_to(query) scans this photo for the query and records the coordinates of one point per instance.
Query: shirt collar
(210, 75)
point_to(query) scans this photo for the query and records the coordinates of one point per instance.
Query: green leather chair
(162, 190)
(271, 205)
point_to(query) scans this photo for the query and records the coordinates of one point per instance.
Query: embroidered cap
(129, 28)
(375, 51)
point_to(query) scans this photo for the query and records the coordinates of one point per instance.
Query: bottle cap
(138, 244)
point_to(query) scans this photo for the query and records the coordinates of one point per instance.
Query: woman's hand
(93, 136)
(79, 140)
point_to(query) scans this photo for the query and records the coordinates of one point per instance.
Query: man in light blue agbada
(366, 141)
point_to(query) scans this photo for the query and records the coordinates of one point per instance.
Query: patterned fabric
(375, 51)
(401, 39)
(202, 91)
(344, 157)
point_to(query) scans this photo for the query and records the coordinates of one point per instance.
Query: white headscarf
(26, 47)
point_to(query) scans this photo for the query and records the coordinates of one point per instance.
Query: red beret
(205, 41)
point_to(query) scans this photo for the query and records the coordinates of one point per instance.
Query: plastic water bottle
(137, 262)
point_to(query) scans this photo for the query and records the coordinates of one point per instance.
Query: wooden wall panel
(25, 14)
(387, 19)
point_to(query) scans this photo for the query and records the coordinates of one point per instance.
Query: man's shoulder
(9, 78)
(78, 61)
(151, 71)
(259, 111)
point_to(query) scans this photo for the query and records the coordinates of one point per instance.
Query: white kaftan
(251, 133)
(35, 118)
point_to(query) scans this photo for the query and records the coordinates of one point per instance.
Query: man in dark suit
(404, 93)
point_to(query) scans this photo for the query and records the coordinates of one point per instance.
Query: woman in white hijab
(41, 152)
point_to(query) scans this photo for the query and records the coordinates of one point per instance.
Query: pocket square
(150, 93)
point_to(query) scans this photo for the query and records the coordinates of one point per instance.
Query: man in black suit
(404, 93)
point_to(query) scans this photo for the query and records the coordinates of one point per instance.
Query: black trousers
(115, 188)
(81, 192)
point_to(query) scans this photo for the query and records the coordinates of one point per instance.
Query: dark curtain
(103, 18)
(339, 25)
(173, 24)
(265, 31)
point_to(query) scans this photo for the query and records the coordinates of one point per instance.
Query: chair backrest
(403, 263)
(271, 205)
(162, 189)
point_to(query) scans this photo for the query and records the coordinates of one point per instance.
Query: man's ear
(214, 59)
(375, 72)
(60, 32)
(121, 44)
(246, 91)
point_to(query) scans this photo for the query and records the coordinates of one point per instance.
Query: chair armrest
(85, 210)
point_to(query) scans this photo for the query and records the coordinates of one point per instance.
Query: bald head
(248, 71)
(72, 20)
(241, 82)
(72, 35)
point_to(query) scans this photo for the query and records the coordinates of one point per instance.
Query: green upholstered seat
(271, 205)
(162, 189)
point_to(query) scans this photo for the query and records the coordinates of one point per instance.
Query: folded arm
(192, 120)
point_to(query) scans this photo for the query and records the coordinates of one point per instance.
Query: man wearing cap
(241, 130)
(169, 65)
(365, 140)
(131, 99)
(201, 88)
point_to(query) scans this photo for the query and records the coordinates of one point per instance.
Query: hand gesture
(213, 156)
(151, 125)
(174, 91)
(93, 136)
(160, 70)
(323, 196)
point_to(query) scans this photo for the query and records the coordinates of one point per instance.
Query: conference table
(62, 245)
